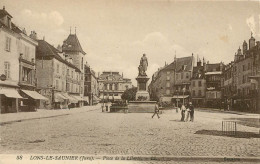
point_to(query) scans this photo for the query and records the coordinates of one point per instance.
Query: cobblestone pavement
(95, 132)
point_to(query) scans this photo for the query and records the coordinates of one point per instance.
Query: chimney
(59, 48)
(33, 35)
(244, 47)
(122, 75)
(251, 41)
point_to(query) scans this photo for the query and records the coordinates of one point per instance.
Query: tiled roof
(4, 13)
(44, 49)
(184, 61)
(72, 44)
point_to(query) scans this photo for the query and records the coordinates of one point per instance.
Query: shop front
(9, 100)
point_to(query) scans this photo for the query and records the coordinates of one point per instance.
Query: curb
(35, 118)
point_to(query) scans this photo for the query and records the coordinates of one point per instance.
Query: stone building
(112, 85)
(213, 76)
(91, 85)
(183, 73)
(161, 86)
(57, 78)
(17, 67)
(198, 84)
(72, 49)
(168, 82)
(243, 94)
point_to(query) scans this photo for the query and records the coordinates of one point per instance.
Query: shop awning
(11, 93)
(180, 96)
(58, 97)
(34, 95)
(96, 98)
(71, 98)
(78, 98)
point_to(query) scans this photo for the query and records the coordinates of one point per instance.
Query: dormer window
(9, 22)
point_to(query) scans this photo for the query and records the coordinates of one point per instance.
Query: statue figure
(143, 65)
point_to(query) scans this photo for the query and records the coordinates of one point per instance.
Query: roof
(180, 62)
(111, 76)
(212, 67)
(44, 49)
(3, 13)
(72, 44)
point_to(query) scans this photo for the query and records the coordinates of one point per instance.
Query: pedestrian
(191, 107)
(187, 113)
(156, 110)
(106, 106)
(183, 109)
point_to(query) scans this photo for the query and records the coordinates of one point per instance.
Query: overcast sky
(115, 34)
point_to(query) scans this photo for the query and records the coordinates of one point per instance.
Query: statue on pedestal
(143, 66)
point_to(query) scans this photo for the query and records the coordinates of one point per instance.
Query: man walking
(156, 110)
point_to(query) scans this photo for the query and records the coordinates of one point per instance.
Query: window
(68, 87)
(194, 83)
(168, 77)
(82, 63)
(168, 72)
(193, 93)
(200, 84)
(199, 92)
(27, 53)
(68, 72)
(57, 84)
(63, 69)
(116, 86)
(72, 88)
(248, 66)
(244, 67)
(187, 75)
(58, 68)
(7, 69)
(110, 87)
(167, 91)
(105, 87)
(8, 44)
(182, 75)
(63, 86)
(72, 73)
(168, 84)
(26, 74)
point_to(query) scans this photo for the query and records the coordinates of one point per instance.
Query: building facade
(57, 78)
(241, 90)
(17, 68)
(72, 49)
(198, 84)
(112, 85)
(91, 86)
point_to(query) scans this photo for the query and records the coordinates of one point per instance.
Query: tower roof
(72, 44)
(3, 13)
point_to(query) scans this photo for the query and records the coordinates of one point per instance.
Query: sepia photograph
(129, 81)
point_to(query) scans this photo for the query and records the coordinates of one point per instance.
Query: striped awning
(34, 95)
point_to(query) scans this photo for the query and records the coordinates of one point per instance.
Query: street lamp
(177, 101)
(183, 95)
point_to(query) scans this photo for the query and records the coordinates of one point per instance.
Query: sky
(115, 34)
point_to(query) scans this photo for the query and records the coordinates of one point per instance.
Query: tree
(129, 94)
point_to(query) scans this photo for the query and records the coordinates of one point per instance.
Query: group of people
(187, 112)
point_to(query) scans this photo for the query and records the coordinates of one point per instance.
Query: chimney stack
(33, 35)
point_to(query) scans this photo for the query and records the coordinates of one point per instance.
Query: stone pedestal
(142, 87)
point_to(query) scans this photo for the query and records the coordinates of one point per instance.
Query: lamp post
(183, 95)
(177, 101)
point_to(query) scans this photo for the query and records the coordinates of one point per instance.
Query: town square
(129, 81)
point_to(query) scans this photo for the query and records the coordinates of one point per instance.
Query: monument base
(142, 96)
(141, 106)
